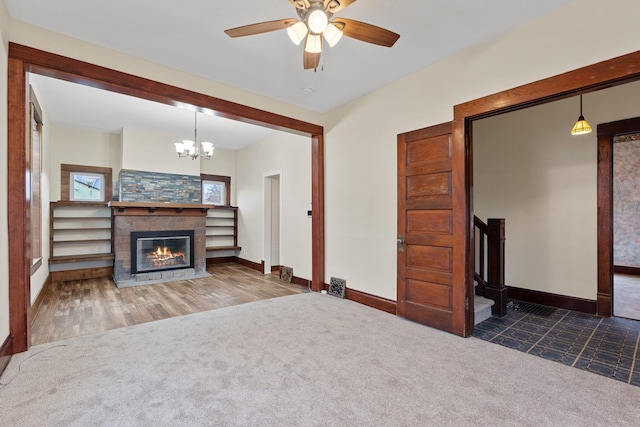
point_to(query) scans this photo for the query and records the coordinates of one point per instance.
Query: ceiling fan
(314, 23)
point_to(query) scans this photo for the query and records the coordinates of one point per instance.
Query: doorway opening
(272, 224)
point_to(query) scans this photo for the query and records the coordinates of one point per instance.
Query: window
(87, 187)
(216, 190)
(85, 183)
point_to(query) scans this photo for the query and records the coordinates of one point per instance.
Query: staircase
(490, 289)
(481, 308)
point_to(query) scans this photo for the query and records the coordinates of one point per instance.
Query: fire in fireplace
(161, 250)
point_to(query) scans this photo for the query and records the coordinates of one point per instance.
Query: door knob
(401, 243)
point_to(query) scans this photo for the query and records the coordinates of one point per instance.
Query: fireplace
(171, 238)
(161, 250)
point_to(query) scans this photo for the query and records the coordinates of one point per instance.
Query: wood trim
(373, 301)
(18, 215)
(220, 260)
(69, 69)
(6, 350)
(23, 59)
(317, 207)
(81, 274)
(612, 72)
(621, 269)
(275, 268)
(35, 266)
(616, 71)
(35, 308)
(220, 178)
(300, 281)
(254, 265)
(552, 300)
(606, 132)
(65, 181)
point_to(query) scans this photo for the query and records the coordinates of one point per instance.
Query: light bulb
(332, 34)
(317, 21)
(207, 148)
(314, 43)
(297, 32)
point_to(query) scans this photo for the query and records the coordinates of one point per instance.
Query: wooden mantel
(159, 208)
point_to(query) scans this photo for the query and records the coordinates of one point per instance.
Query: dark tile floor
(604, 346)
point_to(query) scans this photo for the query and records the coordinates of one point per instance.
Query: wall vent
(337, 287)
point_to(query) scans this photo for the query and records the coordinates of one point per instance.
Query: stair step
(481, 308)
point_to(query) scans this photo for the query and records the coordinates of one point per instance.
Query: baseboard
(383, 304)
(220, 260)
(275, 268)
(5, 353)
(301, 281)
(254, 265)
(81, 274)
(35, 308)
(553, 300)
(621, 269)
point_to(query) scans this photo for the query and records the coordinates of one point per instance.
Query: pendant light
(581, 127)
(189, 148)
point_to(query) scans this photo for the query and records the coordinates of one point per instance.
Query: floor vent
(337, 287)
(286, 273)
(529, 307)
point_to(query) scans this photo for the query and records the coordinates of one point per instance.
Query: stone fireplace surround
(148, 216)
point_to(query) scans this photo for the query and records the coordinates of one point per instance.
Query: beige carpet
(306, 359)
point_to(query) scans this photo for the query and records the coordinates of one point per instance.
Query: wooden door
(427, 291)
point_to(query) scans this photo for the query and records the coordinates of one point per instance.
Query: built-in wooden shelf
(80, 231)
(67, 259)
(223, 248)
(222, 218)
(147, 208)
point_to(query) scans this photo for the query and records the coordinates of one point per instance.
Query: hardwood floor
(88, 306)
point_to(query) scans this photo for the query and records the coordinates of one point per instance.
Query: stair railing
(489, 262)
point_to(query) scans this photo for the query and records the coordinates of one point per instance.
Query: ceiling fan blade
(334, 6)
(366, 32)
(300, 4)
(261, 27)
(311, 60)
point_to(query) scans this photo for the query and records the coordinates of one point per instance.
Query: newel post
(496, 288)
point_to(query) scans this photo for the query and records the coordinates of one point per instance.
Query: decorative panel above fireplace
(161, 250)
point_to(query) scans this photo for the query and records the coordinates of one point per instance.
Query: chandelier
(189, 148)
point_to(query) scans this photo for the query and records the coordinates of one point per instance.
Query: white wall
(275, 220)
(531, 171)
(80, 147)
(291, 156)
(155, 152)
(361, 171)
(222, 163)
(4, 227)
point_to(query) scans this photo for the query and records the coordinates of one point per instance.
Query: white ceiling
(189, 35)
(78, 106)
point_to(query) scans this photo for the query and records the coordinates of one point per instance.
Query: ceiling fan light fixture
(314, 43)
(317, 20)
(332, 34)
(297, 32)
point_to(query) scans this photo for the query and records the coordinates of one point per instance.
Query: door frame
(23, 60)
(612, 72)
(267, 218)
(606, 132)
